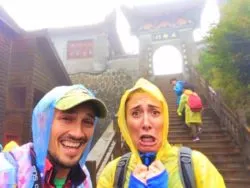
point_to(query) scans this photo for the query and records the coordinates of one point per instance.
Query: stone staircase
(215, 143)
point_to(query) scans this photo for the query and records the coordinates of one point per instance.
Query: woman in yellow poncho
(144, 122)
(193, 120)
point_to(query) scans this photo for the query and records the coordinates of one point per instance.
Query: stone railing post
(246, 137)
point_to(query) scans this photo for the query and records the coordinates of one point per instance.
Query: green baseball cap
(78, 96)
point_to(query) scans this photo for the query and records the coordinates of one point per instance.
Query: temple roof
(7, 20)
(139, 15)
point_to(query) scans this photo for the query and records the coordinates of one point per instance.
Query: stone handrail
(233, 122)
(106, 149)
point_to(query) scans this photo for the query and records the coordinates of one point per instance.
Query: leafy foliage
(226, 61)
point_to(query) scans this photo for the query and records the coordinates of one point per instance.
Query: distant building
(88, 48)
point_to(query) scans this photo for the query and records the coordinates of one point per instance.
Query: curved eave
(138, 15)
(9, 22)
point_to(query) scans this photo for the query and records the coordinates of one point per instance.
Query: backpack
(35, 174)
(194, 102)
(185, 166)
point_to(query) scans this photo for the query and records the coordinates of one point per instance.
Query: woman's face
(144, 117)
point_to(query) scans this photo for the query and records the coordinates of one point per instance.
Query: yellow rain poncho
(190, 117)
(10, 145)
(206, 174)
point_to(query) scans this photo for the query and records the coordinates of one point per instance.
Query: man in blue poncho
(63, 123)
(178, 88)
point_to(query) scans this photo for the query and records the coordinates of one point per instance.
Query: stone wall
(108, 86)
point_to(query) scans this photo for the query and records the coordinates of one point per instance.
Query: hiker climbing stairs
(215, 143)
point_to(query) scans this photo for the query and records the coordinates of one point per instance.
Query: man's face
(71, 130)
(173, 82)
(144, 117)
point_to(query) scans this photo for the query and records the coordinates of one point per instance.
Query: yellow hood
(188, 92)
(9, 146)
(145, 85)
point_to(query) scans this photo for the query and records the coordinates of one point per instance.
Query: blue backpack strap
(186, 168)
(121, 169)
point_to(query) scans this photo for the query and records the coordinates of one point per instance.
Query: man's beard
(56, 162)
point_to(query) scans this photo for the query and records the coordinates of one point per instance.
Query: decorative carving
(178, 23)
(164, 36)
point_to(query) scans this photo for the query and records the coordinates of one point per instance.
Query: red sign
(11, 137)
(80, 49)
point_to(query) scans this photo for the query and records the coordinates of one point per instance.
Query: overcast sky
(38, 14)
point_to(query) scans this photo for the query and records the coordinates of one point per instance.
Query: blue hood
(42, 118)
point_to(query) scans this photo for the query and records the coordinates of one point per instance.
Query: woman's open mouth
(147, 140)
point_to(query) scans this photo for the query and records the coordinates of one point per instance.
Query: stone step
(231, 165)
(202, 137)
(205, 111)
(209, 149)
(173, 131)
(227, 160)
(186, 131)
(236, 184)
(189, 140)
(233, 172)
(234, 156)
(178, 121)
(204, 118)
(179, 118)
(204, 128)
(181, 125)
(233, 182)
(207, 145)
(234, 152)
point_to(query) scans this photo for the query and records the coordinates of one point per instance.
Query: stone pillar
(189, 51)
(145, 44)
(192, 52)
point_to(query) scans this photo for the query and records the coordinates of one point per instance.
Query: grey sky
(38, 14)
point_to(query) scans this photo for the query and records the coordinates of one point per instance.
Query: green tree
(226, 61)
